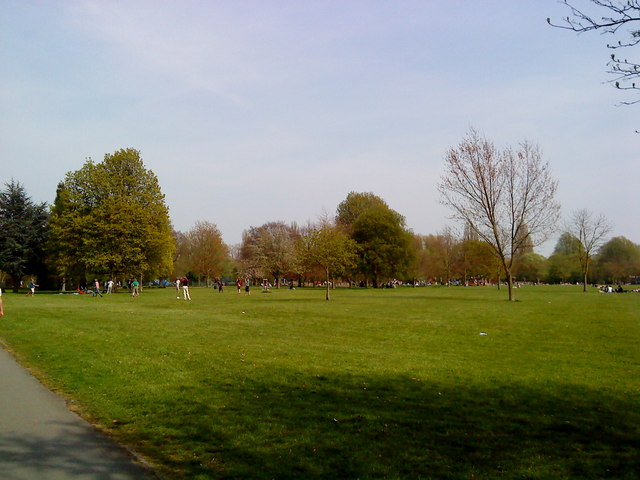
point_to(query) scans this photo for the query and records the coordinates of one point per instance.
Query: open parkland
(427, 382)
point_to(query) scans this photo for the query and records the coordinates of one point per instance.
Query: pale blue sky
(254, 111)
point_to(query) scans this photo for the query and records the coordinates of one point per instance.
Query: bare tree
(609, 17)
(590, 231)
(500, 194)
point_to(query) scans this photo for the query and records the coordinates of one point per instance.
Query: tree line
(109, 220)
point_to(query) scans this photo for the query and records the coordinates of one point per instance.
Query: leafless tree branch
(616, 15)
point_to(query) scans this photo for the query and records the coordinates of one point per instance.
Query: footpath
(41, 439)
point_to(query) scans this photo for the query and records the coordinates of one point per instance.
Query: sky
(257, 111)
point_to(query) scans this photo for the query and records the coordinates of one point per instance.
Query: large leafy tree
(619, 260)
(23, 232)
(531, 267)
(111, 218)
(565, 260)
(207, 253)
(477, 260)
(443, 255)
(418, 267)
(356, 203)
(385, 245)
(386, 248)
(507, 197)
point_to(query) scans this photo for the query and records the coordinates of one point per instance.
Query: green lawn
(374, 384)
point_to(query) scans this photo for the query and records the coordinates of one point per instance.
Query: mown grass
(374, 384)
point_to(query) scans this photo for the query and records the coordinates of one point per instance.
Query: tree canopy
(111, 218)
(329, 247)
(269, 250)
(23, 232)
(619, 260)
(207, 254)
(355, 205)
(384, 244)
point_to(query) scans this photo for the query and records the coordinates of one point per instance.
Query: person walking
(109, 287)
(32, 287)
(134, 288)
(185, 288)
(96, 288)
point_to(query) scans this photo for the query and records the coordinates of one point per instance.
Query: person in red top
(185, 288)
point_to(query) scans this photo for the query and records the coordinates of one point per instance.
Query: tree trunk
(16, 283)
(510, 283)
(328, 297)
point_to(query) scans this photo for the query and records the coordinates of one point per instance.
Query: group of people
(610, 289)
(218, 284)
(95, 288)
(184, 282)
(247, 285)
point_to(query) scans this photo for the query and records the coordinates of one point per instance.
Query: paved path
(40, 439)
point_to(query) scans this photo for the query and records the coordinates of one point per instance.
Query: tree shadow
(69, 452)
(344, 427)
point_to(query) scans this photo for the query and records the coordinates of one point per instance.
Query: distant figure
(134, 288)
(239, 285)
(96, 288)
(220, 286)
(1, 309)
(178, 285)
(32, 287)
(109, 287)
(185, 288)
(247, 284)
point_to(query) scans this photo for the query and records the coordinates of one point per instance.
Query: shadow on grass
(327, 428)
(63, 451)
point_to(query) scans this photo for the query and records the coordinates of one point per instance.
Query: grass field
(393, 384)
